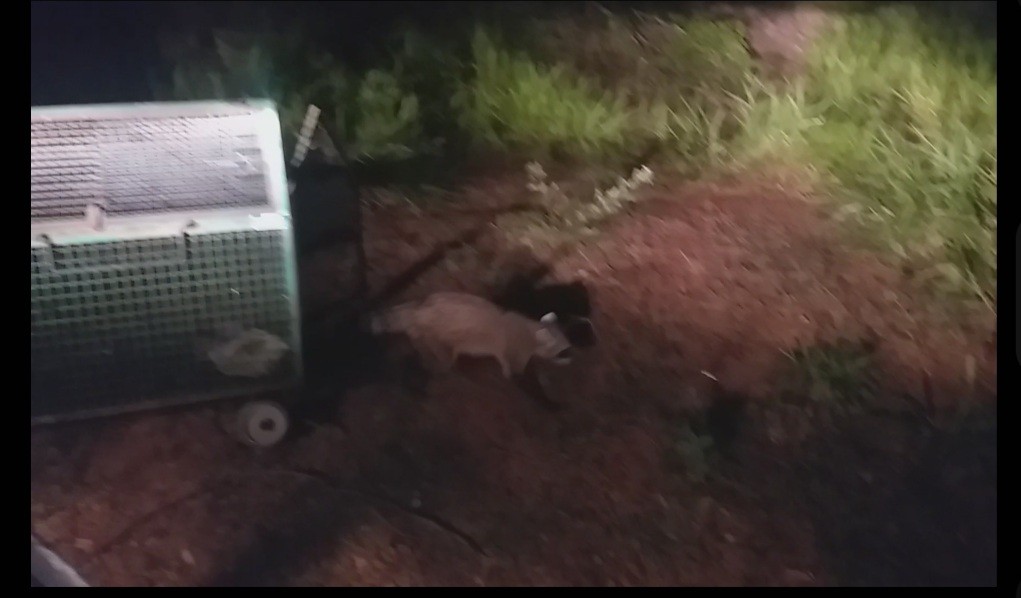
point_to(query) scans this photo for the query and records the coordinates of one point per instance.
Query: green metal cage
(156, 227)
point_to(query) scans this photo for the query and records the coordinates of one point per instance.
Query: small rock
(84, 544)
(187, 557)
(729, 538)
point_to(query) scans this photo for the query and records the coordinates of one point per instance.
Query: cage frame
(179, 224)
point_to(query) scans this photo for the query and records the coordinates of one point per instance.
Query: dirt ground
(477, 484)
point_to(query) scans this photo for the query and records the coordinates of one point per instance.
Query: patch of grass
(434, 69)
(695, 453)
(373, 116)
(512, 104)
(677, 77)
(647, 58)
(388, 123)
(899, 114)
(840, 377)
(776, 128)
(896, 114)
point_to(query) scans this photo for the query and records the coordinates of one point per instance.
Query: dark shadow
(339, 352)
(525, 293)
(342, 311)
(881, 523)
(306, 524)
(325, 207)
(323, 508)
(726, 420)
(570, 302)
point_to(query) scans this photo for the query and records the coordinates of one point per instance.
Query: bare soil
(476, 484)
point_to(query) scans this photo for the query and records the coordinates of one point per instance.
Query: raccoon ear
(549, 318)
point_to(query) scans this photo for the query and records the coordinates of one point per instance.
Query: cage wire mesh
(196, 239)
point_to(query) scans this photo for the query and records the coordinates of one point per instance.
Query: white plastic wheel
(262, 423)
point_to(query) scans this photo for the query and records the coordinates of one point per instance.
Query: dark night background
(86, 52)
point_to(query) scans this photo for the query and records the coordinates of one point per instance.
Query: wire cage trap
(161, 234)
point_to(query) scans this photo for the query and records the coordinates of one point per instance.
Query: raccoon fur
(449, 325)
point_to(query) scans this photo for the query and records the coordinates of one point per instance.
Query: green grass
(650, 59)
(695, 453)
(673, 81)
(840, 377)
(375, 115)
(515, 105)
(895, 117)
(899, 115)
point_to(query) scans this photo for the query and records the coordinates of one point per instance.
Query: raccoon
(569, 301)
(450, 325)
